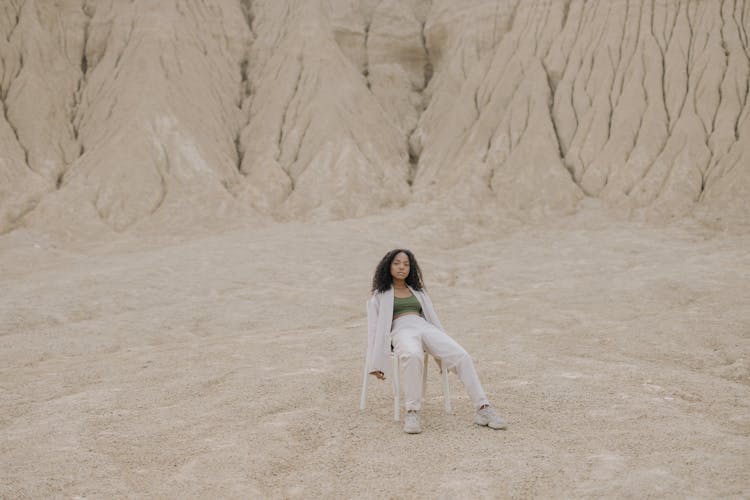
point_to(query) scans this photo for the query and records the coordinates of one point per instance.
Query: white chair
(396, 368)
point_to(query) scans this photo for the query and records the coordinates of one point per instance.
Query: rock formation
(124, 113)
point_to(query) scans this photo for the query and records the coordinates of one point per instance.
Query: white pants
(411, 336)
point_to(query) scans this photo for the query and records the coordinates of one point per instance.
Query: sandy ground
(230, 365)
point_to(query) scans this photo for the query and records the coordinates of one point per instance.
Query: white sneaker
(487, 416)
(411, 423)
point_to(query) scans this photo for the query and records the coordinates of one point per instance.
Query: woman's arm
(433, 315)
(373, 308)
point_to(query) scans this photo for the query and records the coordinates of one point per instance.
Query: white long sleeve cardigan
(379, 319)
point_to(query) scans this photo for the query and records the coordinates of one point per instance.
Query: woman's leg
(407, 345)
(441, 345)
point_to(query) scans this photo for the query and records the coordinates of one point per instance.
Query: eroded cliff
(124, 113)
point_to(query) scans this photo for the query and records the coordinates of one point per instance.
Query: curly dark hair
(382, 280)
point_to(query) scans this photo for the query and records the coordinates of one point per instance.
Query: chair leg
(363, 399)
(396, 388)
(446, 390)
(424, 376)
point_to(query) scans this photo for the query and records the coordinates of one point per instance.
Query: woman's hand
(378, 374)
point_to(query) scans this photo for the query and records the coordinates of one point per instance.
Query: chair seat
(396, 368)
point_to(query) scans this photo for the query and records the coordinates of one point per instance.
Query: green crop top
(407, 304)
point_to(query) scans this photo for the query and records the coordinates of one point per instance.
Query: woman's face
(400, 266)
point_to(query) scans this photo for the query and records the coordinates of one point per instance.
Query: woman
(400, 314)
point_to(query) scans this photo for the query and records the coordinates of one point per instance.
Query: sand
(230, 365)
